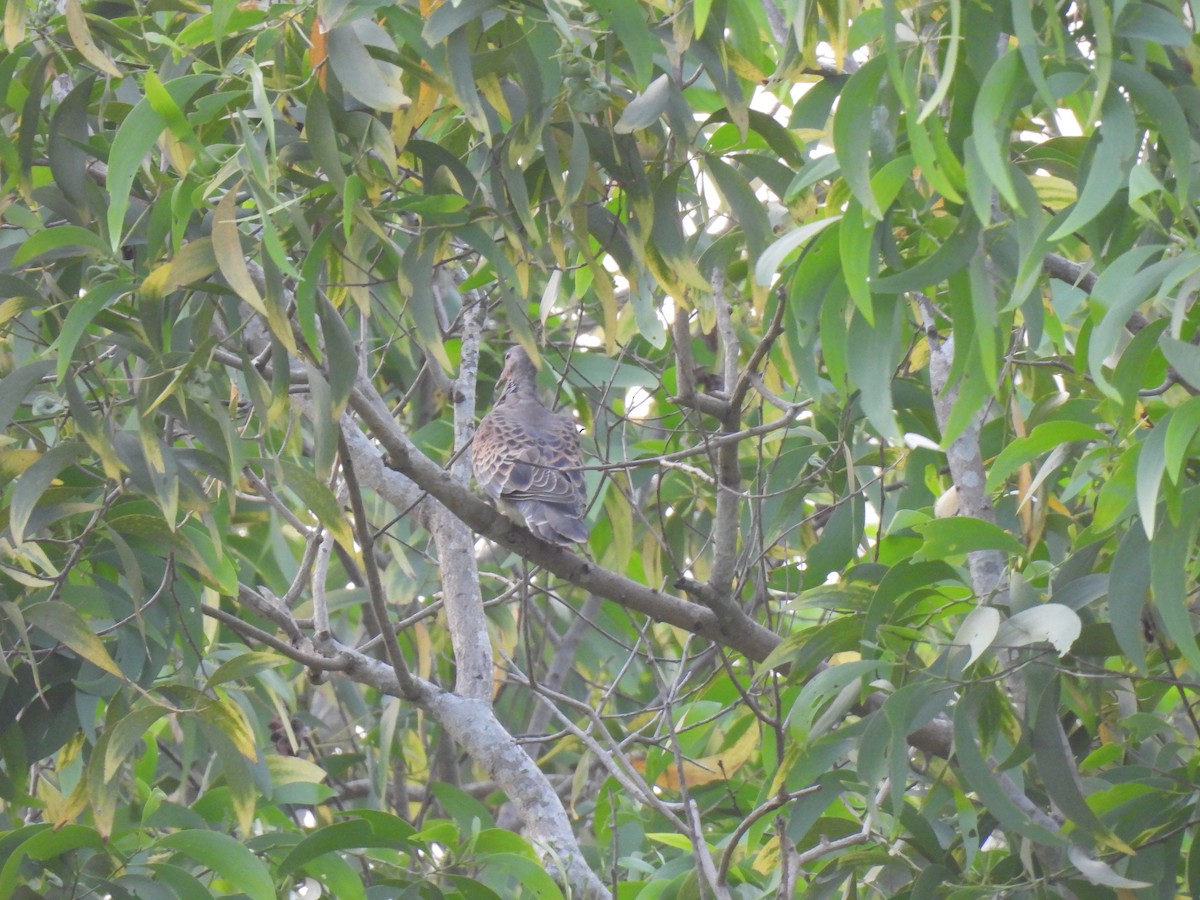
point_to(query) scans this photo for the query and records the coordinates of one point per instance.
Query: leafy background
(880, 323)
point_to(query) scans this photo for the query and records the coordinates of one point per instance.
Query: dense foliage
(880, 324)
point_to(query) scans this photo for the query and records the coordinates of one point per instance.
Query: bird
(527, 457)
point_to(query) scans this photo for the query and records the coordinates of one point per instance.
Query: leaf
(645, 109)
(772, 258)
(447, 18)
(135, 137)
(747, 209)
(871, 363)
(227, 249)
(225, 856)
(1046, 436)
(66, 626)
(960, 535)
(373, 82)
(999, 96)
(856, 111)
(978, 631)
(128, 734)
(34, 481)
(637, 39)
(16, 385)
(1169, 554)
(194, 262)
(341, 355)
(1116, 146)
(1099, 872)
(243, 666)
(68, 144)
(79, 318)
(320, 501)
(1152, 462)
(60, 237)
(1184, 359)
(81, 37)
(1181, 430)
(980, 774)
(1059, 625)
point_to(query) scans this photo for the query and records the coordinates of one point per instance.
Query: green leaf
(320, 501)
(1152, 462)
(243, 666)
(1043, 438)
(980, 774)
(959, 535)
(448, 18)
(225, 856)
(16, 385)
(34, 481)
(127, 734)
(1108, 171)
(1184, 359)
(60, 238)
(66, 626)
(999, 96)
(629, 22)
(871, 362)
(1128, 591)
(747, 209)
(80, 317)
(1181, 429)
(373, 82)
(645, 109)
(135, 137)
(851, 124)
(1169, 554)
(772, 258)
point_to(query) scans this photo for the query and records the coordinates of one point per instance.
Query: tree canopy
(879, 322)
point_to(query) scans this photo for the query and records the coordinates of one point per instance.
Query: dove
(527, 457)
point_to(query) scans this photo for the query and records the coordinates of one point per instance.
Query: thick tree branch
(455, 543)
(473, 725)
(745, 636)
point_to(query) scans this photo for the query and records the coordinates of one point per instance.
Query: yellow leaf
(81, 37)
(707, 769)
(227, 247)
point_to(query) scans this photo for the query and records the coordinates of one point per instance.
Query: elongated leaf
(980, 774)
(1044, 437)
(227, 248)
(772, 258)
(60, 238)
(855, 112)
(375, 83)
(1099, 872)
(1152, 462)
(128, 734)
(1169, 554)
(226, 856)
(1109, 167)
(80, 317)
(33, 482)
(65, 625)
(134, 139)
(999, 96)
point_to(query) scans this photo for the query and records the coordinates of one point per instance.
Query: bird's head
(518, 371)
